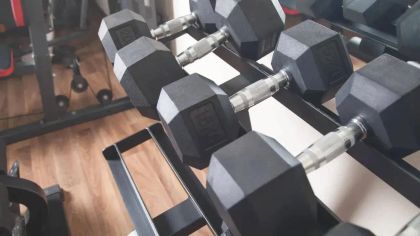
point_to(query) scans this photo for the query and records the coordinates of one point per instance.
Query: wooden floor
(72, 157)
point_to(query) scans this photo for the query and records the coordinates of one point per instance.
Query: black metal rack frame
(189, 215)
(197, 210)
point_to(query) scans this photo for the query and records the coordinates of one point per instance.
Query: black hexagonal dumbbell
(408, 32)
(122, 28)
(347, 229)
(376, 13)
(146, 65)
(378, 105)
(259, 188)
(239, 21)
(253, 28)
(255, 179)
(320, 8)
(200, 118)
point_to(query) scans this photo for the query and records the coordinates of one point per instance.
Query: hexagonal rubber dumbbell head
(198, 118)
(207, 18)
(386, 94)
(377, 13)
(315, 56)
(143, 68)
(259, 188)
(320, 8)
(343, 229)
(120, 29)
(253, 25)
(408, 32)
(202, 15)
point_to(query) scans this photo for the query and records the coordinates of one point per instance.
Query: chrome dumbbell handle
(174, 26)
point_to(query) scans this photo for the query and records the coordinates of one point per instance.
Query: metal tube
(174, 26)
(259, 91)
(333, 144)
(43, 68)
(203, 47)
(83, 14)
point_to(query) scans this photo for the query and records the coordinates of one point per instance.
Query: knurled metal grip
(203, 47)
(174, 26)
(258, 91)
(412, 228)
(415, 64)
(332, 145)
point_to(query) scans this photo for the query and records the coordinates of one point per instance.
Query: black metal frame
(68, 119)
(189, 215)
(3, 160)
(196, 194)
(37, 31)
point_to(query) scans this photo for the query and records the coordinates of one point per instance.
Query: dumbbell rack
(189, 215)
(197, 210)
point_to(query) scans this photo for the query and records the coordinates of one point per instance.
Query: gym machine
(55, 114)
(44, 206)
(14, 22)
(146, 8)
(199, 209)
(384, 26)
(44, 213)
